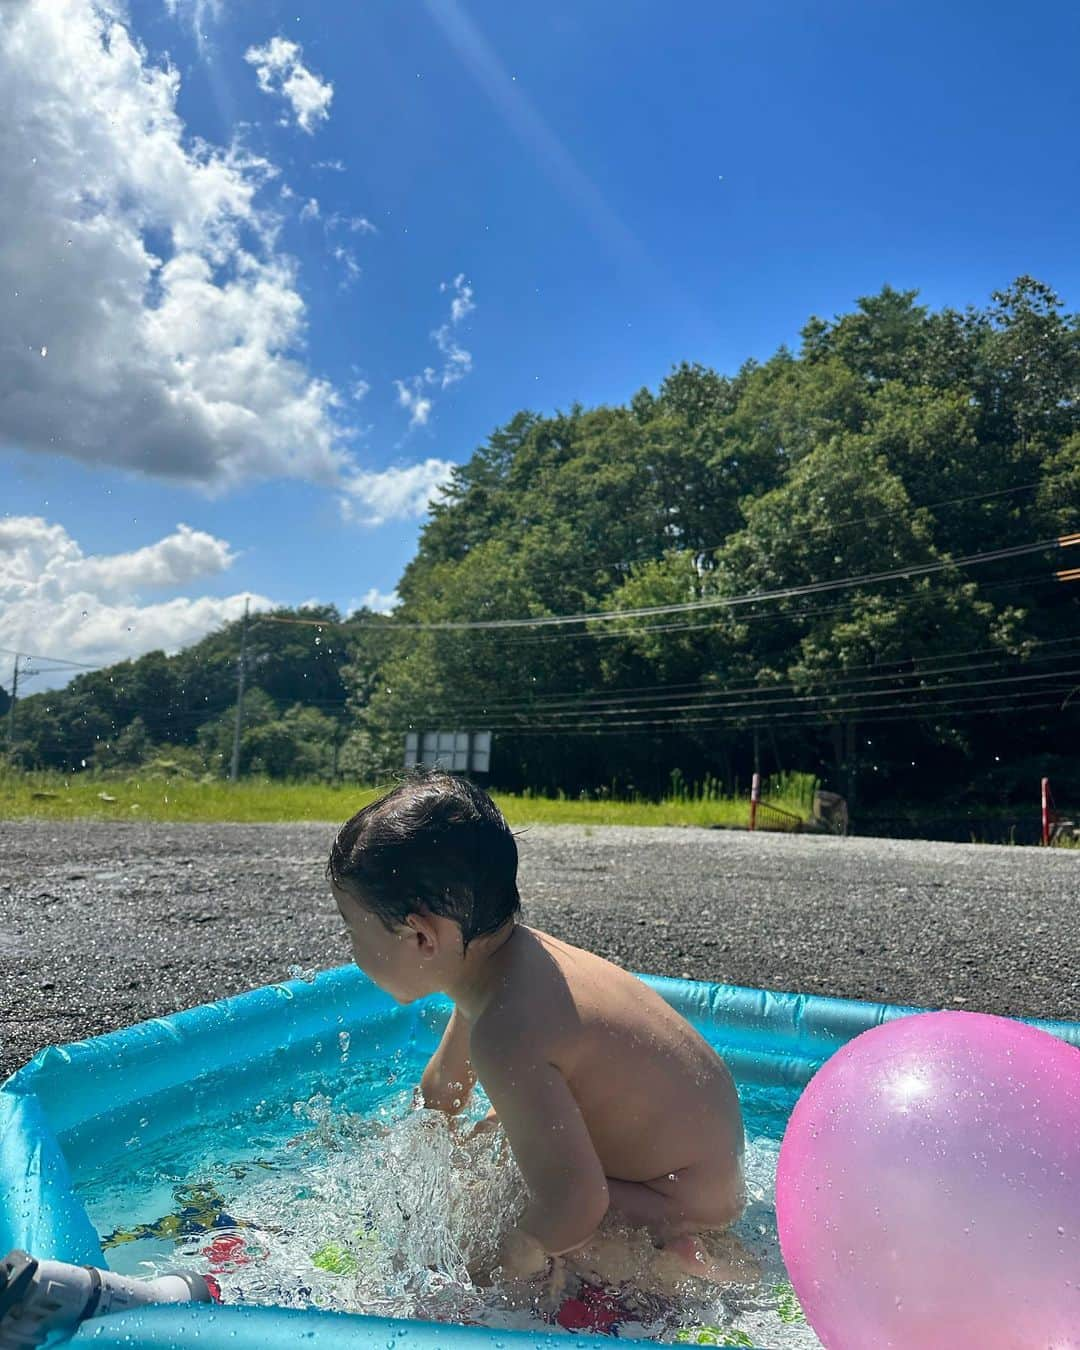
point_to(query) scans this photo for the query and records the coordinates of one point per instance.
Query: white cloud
(57, 601)
(360, 390)
(348, 262)
(279, 70)
(462, 303)
(333, 165)
(411, 398)
(394, 493)
(379, 602)
(136, 258)
(197, 12)
(458, 362)
(345, 257)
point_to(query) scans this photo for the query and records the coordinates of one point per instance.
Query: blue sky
(536, 204)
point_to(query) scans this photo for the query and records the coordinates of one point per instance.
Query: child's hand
(521, 1256)
(485, 1126)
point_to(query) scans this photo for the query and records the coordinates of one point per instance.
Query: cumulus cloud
(396, 493)
(379, 602)
(57, 600)
(279, 70)
(360, 390)
(148, 322)
(310, 209)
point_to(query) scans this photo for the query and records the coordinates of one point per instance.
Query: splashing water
(387, 1210)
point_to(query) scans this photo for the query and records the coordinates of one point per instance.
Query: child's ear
(425, 933)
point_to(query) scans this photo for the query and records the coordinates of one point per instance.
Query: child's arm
(568, 1192)
(448, 1080)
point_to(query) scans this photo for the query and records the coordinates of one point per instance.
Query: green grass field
(60, 797)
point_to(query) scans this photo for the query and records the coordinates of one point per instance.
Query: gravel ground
(102, 925)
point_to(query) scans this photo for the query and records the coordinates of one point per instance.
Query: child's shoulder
(528, 1001)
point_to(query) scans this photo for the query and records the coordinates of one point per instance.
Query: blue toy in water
(74, 1107)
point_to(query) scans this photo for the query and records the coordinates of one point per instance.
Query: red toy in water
(227, 1252)
(594, 1310)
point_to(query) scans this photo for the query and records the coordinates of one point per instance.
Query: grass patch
(179, 797)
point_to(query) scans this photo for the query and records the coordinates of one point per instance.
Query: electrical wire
(776, 708)
(910, 711)
(903, 573)
(745, 695)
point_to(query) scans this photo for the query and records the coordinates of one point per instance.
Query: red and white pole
(1045, 811)
(755, 797)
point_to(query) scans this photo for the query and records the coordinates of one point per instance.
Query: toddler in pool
(611, 1102)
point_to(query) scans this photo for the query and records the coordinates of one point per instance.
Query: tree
(894, 439)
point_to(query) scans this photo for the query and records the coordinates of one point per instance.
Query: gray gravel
(102, 924)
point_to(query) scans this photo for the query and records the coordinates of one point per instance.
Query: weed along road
(102, 925)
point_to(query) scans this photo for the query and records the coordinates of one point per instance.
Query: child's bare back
(656, 1100)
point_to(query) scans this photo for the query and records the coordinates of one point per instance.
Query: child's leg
(677, 1209)
(724, 1261)
(703, 1195)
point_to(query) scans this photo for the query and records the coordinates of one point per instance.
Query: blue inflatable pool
(74, 1108)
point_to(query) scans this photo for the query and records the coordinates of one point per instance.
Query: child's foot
(724, 1261)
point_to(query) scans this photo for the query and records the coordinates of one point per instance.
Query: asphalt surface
(102, 924)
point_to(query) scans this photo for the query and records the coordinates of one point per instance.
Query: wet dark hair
(436, 842)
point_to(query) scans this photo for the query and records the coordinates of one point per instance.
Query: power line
(746, 719)
(920, 710)
(554, 703)
(730, 601)
(1031, 580)
(660, 695)
(775, 707)
(508, 640)
(810, 721)
(36, 656)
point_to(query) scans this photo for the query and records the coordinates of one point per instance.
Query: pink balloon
(928, 1189)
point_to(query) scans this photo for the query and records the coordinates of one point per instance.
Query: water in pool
(348, 1198)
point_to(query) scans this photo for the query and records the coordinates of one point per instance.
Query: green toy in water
(335, 1258)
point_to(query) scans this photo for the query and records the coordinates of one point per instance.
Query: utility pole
(11, 706)
(235, 769)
